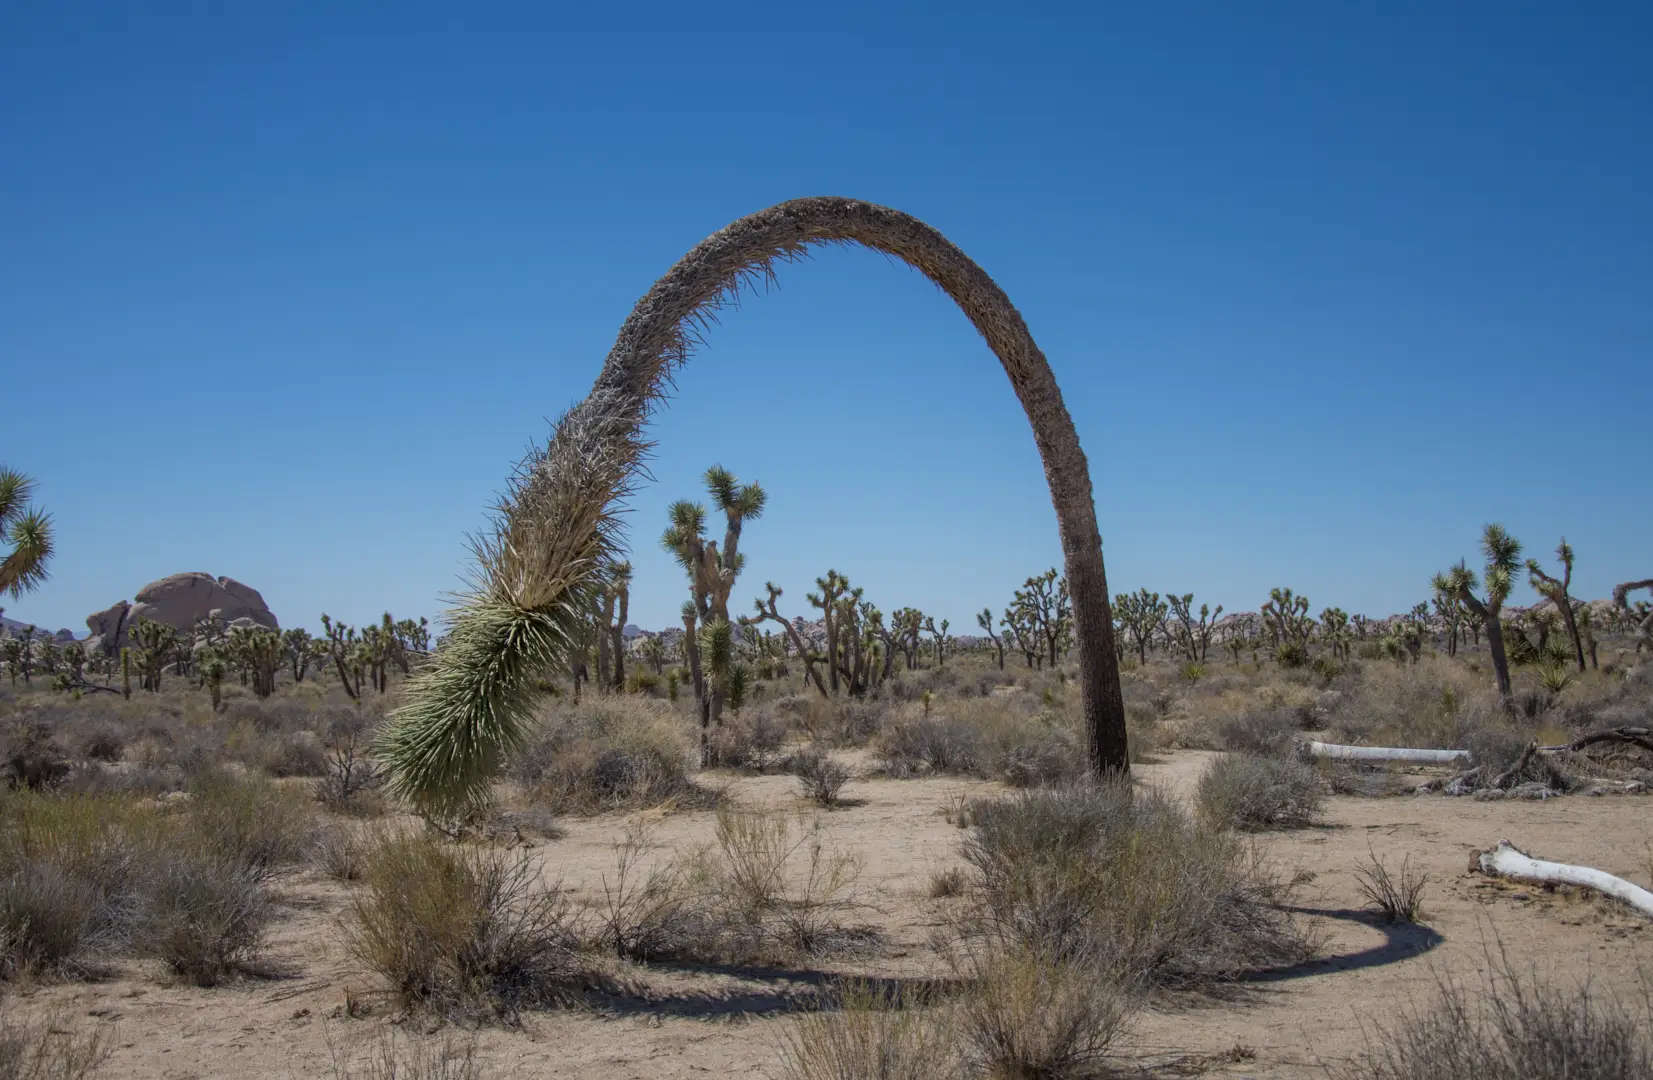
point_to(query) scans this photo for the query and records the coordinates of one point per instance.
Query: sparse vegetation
(872, 1032)
(1245, 791)
(462, 931)
(1515, 1024)
(1396, 897)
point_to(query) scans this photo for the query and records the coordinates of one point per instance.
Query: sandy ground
(702, 1022)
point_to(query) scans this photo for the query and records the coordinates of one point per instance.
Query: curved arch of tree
(541, 559)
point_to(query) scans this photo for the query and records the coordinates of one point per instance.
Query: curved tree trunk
(541, 563)
(656, 338)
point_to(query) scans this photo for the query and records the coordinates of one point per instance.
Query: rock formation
(180, 601)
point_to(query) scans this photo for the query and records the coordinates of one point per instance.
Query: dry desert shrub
(755, 741)
(768, 889)
(54, 1048)
(88, 875)
(607, 753)
(1398, 897)
(202, 913)
(1262, 731)
(1515, 1025)
(819, 777)
(996, 738)
(69, 877)
(1246, 791)
(462, 931)
(867, 1031)
(1124, 878)
(1028, 1015)
(398, 1056)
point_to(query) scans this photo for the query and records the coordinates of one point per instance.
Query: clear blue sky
(285, 289)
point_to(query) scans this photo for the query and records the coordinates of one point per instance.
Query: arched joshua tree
(540, 562)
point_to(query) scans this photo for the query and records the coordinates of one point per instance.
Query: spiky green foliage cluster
(28, 530)
(540, 567)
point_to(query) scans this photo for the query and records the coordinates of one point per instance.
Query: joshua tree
(1046, 608)
(653, 649)
(767, 611)
(1448, 608)
(343, 648)
(300, 649)
(1643, 622)
(905, 624)
(1556, 592)
(27, 530)
(1287, 618)
(557, 524)
(1141, 612)
(1334, 631)
(1194, 636)
(711, 572)
(1503, 562)
(153, 644)
(259, 653)
(942, 639)
(984, 619)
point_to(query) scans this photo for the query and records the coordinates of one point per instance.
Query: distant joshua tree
(1503, 562)
(1555, 591)
(540, 565)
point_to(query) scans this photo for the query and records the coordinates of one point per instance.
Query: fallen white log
(1340, 752)
(1505, 861)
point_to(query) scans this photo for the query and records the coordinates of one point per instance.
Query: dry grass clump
(250, 821)
(1515, 1026)
(393, 1056)
(755, 741)
(836, 722)
(819, 777)
(1027, 1015)
(341, 851)
(202, 913)
(1124, 878)
(1265, 732)
(872, 1032)
(50, 1049)
(1435, 703)
(462, 931)
(69, 878)
(607, 753)
(1397, 898)
(1004, 737)
(1245, 791)
(949, 882)
(84, 876)
(766, 891)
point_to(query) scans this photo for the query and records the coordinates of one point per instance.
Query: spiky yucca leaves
(539, 570)
(29, 532)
